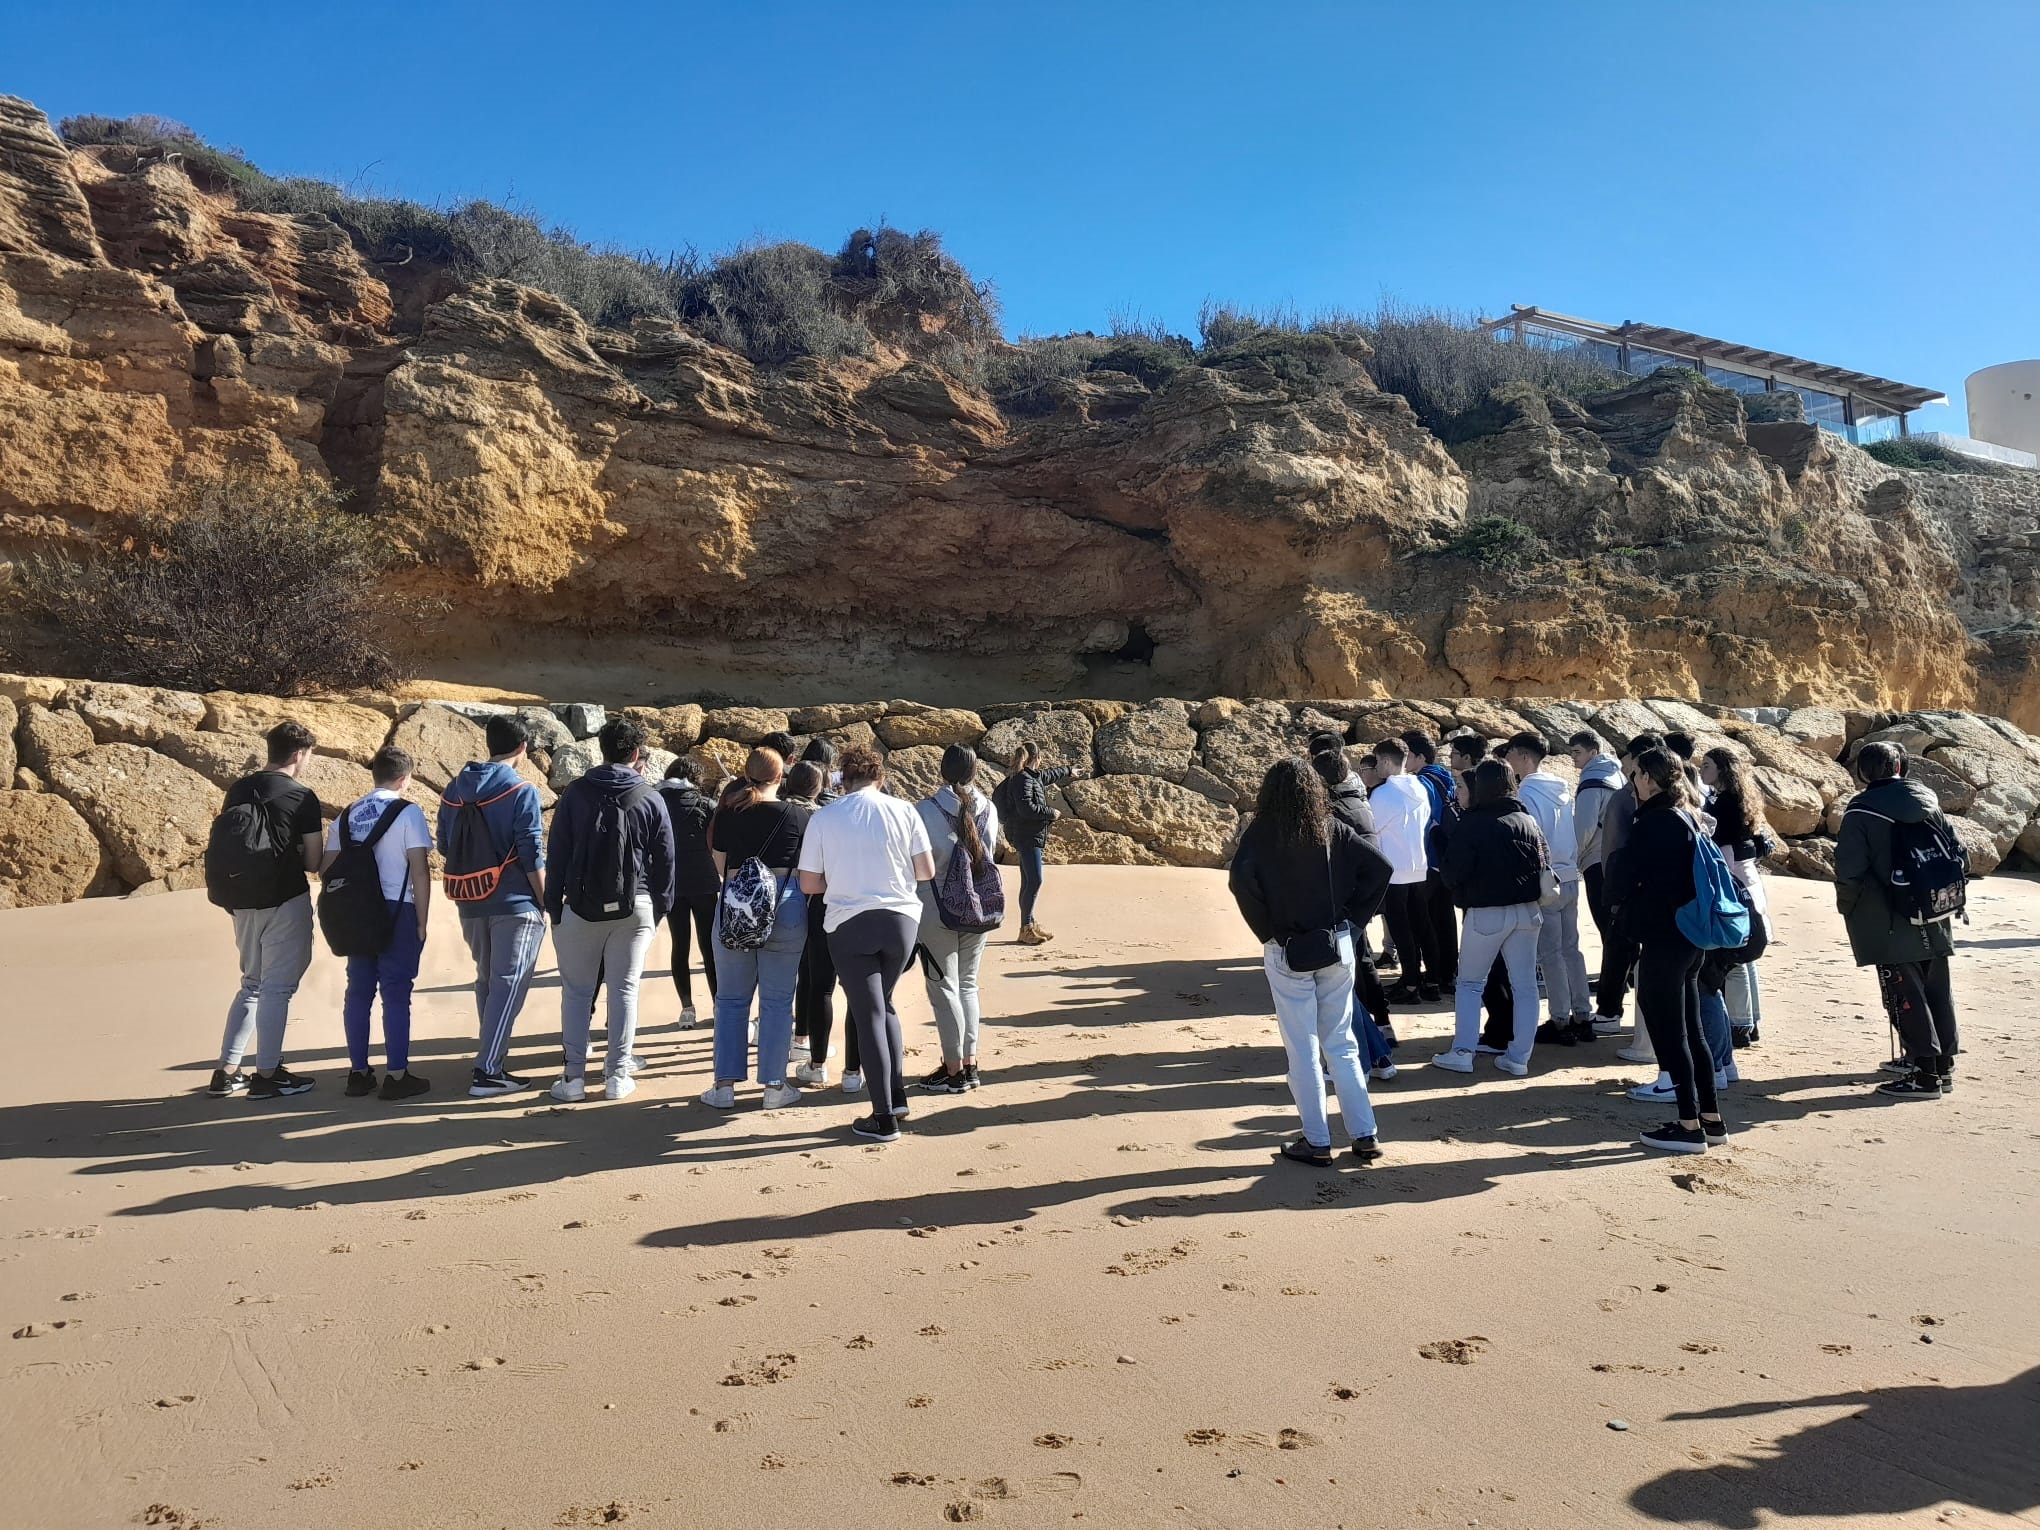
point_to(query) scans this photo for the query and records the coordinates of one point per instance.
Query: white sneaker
(1729, 1075)
(754, 1033)
(721, 1097)
(812, 1075)
(1656, 1092)
(1638, 1054)
(1482, 1049)
(570, 1091)
(618, 1086)
(1458, 1060)
(779, 1096)
(688, 1018)
(1382, 1072)
(853, 1081)
(1508, 1065)
(633, 1064)
(1721, 1079)
(1607, 1025)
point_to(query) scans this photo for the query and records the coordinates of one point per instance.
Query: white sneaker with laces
(811, 1075)
(853, 1081)
(633, 1065)
(570, 1091)
(754, 1033)
(1607, 1025)
(618, 1086)
(688, 1018)
(1656, 1092)
(1382, 1072)
(721, 1097)
(1458, 1060)
(1482, 1049)
(1643, 1053)
(1508, 1065)
(779, 1096)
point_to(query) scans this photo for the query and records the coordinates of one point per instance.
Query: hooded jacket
(1402, 817)
(1600, 782)
(1550, 801)
(1650, 877)
(1495, 856)
(689, 810)
(648, 853)
(1437, 780)
(1350, 807)
(1879, 935)
(514, 820)
(1284, 890)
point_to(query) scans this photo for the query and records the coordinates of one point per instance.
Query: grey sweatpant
(505, 948)
(592, 951)
(276, 948)
(949, 962)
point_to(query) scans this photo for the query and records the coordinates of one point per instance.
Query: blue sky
(1851, 182)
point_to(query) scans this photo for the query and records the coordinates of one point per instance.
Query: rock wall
(114, 787)
(643, 513)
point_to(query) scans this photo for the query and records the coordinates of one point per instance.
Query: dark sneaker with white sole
(1716, 1132)
(487, 1084)
(360, 1082)
(1674, 1138)
(225, 1085)
(942, 1081)
(970, 1076)
(1301, 1151)
(1921, 1084)
(1366, 1149)
(404, 1086)
(274, 1086)
(877, 1128)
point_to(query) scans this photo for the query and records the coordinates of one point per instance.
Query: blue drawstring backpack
(1717, 919)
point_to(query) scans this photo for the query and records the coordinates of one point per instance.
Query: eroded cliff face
(653, 514)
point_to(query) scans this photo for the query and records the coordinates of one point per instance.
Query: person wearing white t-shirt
(1402, 816)
(402, 860)
(867, 854)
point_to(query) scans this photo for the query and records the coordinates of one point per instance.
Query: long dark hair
(1293, 804)
(1668, 773)
(1738, 807)
(959, 770)
(1492, 781)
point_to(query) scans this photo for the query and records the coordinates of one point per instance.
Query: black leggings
(814, 996)
(1408, 912)
(871, 950)
(700, 908)
(1668, 999)
(1618, 951)
(1500, 998)
(1921, 1005)
(1444, 931)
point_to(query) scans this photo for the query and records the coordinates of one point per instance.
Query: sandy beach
(1085, 1292)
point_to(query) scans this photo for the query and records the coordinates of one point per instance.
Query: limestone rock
(1217, 712)
(829, 717)
(720, 759)
(1795, 759)
(1822, 729)
(653, 766)
(583, 719)
(1813, 859)
(1062, 736)
(676, 728)
(1792, 806)
(746, 725)
(937, 725)
(1152, 740)
(1239, 751)
(1072, 842)
(342, 728)
(1984, 854)
(10, 717)
(26, 780)
(2028, 844)
(1987, 767)
(336, 783)
(1620, 721)
(2004, 811)
(45, 736)
(1491, 719)
(477, 711)
(1558, 721)
(570, 762)
(1184, 827)
(548, 732)
(134, 714)
(1952, 792)
(41, 689)
(48, 854)
(1682, 716)
(440, 743)
(916, 772)
(1202, 781)
(152, 813)
(1392, 720)
(856, 735)
(222, 758)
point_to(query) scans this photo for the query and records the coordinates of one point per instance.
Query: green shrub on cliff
(1497, 541)
(1932, 457)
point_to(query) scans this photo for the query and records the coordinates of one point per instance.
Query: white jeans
(1558, 953)
(1315, 1012)
(1510, 932)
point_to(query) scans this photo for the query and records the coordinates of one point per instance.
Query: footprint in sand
(1455, 1351)
(1054, 1441)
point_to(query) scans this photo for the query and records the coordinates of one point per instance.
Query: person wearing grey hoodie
(1549, 800)
(960, 820)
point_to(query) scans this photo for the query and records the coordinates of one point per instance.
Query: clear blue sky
(1858, 183)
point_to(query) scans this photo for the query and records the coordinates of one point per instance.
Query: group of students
(796, 877)
(1649, 837)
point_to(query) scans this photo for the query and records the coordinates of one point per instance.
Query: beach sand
(1083, 1293)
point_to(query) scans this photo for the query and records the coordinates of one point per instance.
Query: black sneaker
(360, 1083)
(942, 1081)
(971, 1079)
(1301, 1151)
(1674, 1138)
(1429, 992)
(1741, 1036)
(271, 1086)
(404, 1086)
(487, 1084)
(1920, 1084)
(1366, 1149)
(1402, 993)
(877, 1128)
(225, 1085)
(1947, 1078)
(1716, 1132)
(1582, 1031)
(1556, 1035)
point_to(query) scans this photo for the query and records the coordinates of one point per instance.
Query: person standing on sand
(865, 856)
(814, 997)
(1550, 801)
(1347, 799)
(1910, 953)
(1304, 882)
(1402, 817)
(959, 821)
(609, 883)
(1444, 793)
(492, 835)
(1494, 866)
(695, 882)
(1618, 951)
(1745, 840)
(268, 836)
(1600, 779)
(1022, 803)
(403, 864)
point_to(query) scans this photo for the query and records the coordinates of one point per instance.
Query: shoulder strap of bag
(390, 814)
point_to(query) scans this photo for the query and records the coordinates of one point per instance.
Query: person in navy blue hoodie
(506, 927)
(1444, 794)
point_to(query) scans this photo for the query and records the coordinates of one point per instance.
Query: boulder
(2004, 811)
(1952, 792)
(719, 759)
(48, 853)
(1682, 716)
(2028, 844)
(1152, 740)
(1072, 842)
(547, 731)
(1620, 721)
(653, 766)
(10, 718)
(1792, 806)
(1217, 712)
(1062, 736)
(152, 813)
(1239, 751)
(440, 742)
(343, 728)
(572, 761)
(916, 772)
(183, 879)
(744, 724)
(1825, 730)
(26, 780)
(528, 769)
(1558, 721)
(1184, 827)
(1813, 859)
(828, 718)
(937, 725)
(336, 783)
(1492, 720)
(41, 689)
(45, 736)
(1202, 781)
(857, 735)
(1392, 719)
(1986, 767)
(675, 728)
(583, 719)
(134, 714)
(479, 711)
(222, 758)
(1795, 759)
(1984, 855)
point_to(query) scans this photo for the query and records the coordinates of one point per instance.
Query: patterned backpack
(747, 907)
(970, 897)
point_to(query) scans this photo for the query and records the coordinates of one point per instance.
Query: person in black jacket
(814, 994)
(1347, 796)
(1304, 882)
(1025, 818)
(1493, 866)
(1649, 880)
(695, 882)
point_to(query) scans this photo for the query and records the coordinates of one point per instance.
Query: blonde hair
(762, 768)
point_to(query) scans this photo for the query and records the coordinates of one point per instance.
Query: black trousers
(1499, 999)
(814, 996)
(1618, 951)
(1921, 1004)
(1367, 985)
(697, 910)
(871, 950)
(1444, 930)
(1408, 912)
(1668, 1000)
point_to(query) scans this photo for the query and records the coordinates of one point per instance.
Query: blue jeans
(772, 972)
(1315, 1013)
(1511, 932)
(1030, 884)
(1714, 1026)
(393, 973)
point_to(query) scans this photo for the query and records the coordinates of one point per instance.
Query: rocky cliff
(646, 514)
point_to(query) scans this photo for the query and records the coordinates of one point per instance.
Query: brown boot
(1041, 937)
(1030, 935)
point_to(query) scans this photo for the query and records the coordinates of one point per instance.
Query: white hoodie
(1402, 812)
(1550, 801)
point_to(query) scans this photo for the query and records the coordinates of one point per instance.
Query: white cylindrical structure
(2004, 405)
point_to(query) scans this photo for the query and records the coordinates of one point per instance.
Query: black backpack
(605, 872)
(353, 915)
(1929, 872)
(247, 856)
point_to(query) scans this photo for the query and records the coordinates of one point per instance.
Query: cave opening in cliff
(1138, 648)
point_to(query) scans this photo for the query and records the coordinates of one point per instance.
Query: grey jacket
(1878, 935)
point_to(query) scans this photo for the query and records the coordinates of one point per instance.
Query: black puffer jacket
(1025, 816)
(1651, 876)
(1494, 856)
(1350, 807)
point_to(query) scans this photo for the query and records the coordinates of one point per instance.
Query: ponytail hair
(762, 768)
(959, 770)
(1668, 773)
